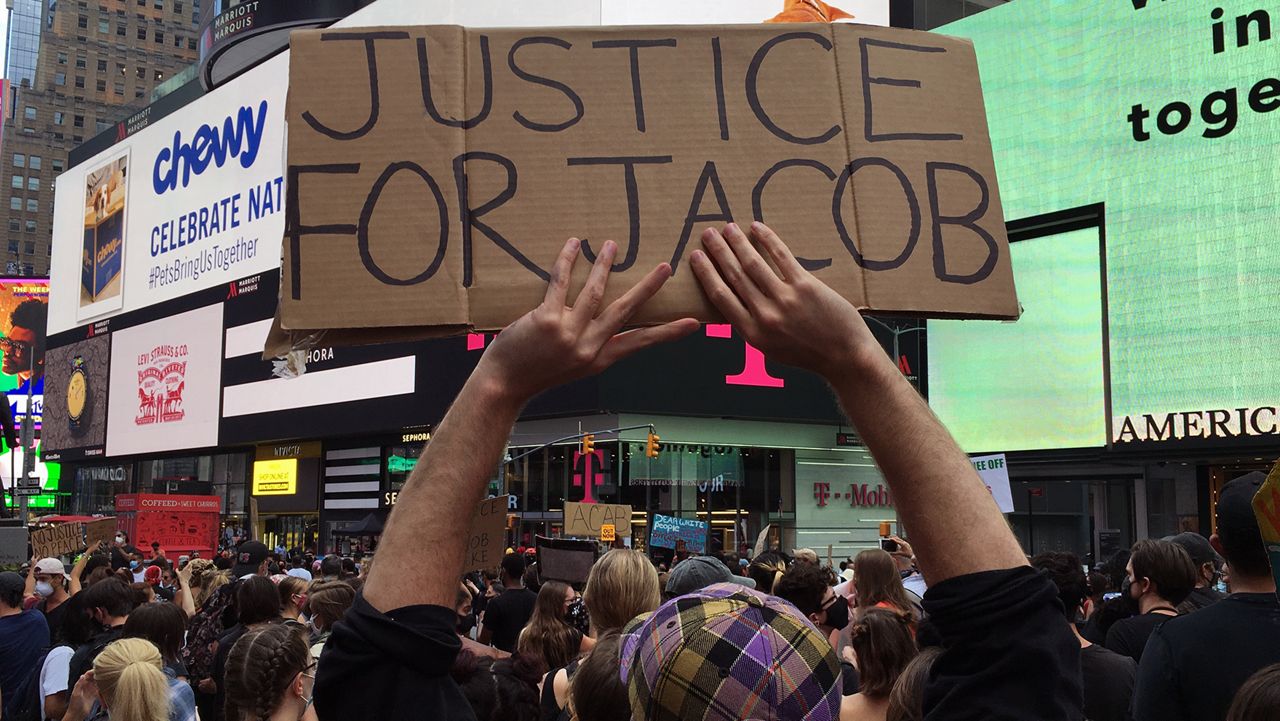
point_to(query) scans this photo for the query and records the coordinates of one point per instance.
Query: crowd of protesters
(956, 624)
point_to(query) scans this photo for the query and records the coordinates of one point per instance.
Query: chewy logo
(238, 136)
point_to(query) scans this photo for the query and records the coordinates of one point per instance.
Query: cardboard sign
(435, 172)
(607, 533)
(57, 540)
(103, 529)
(994, 471)
(1266, 508)
(13, 546)
(667, 531)
(488, 539)
(565, 559)
(588, 519)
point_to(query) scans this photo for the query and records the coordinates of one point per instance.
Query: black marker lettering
(969, 220)
(868, 80)
(547, 82)
(693, 217)
(294, 228)
(753, 92)
(366, 215)
(471, 216)
(720, 105)
(913, 206)
(633, 46)
(633, 204)
(757, 197)
(372, 60)
(424, 75)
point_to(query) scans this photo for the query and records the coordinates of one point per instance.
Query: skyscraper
(76, 69)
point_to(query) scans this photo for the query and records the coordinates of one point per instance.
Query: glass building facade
(24, 42)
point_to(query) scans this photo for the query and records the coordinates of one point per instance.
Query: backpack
(27, 703)
(206, 627)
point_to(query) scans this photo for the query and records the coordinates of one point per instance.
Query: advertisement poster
(204, 188)
(24, 310)
(180, 524)
(174, 365)
(77, 378)
(104, 232)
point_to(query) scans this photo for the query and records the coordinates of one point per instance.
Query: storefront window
(96, 488)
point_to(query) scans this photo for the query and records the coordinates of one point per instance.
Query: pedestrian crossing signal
(652, 447)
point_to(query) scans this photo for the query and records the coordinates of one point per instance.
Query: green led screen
(1189, 179)
(1038, 383)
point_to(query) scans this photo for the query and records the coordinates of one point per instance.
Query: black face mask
(464, 624)
(838, 615)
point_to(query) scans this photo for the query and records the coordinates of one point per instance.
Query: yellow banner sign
(275, 478)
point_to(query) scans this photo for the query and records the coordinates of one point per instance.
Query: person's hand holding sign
(556, 343)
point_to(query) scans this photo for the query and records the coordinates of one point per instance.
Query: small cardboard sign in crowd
(67, 538)
(435, 172)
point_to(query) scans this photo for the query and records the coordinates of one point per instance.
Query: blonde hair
(622, 585)
(131, 680)
(210, 582)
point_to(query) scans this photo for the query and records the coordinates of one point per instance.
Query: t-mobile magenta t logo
(754, 372)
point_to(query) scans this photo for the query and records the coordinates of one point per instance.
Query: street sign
(21, 491)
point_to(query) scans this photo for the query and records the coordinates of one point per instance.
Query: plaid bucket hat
(727, 652)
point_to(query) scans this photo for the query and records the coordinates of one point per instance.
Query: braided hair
(260, 668)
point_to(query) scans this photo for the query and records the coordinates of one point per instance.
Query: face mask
(465, 624)
(119, 539)
(134, 565)
(838, 615)
(44, 588)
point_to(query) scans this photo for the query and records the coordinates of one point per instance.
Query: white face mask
(44, 588)
(119, 539)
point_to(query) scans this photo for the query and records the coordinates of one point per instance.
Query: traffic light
(588, 444)
(652, 447)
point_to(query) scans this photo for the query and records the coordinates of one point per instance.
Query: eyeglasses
(14, 346)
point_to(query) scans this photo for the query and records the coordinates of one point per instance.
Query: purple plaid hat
(727, 652)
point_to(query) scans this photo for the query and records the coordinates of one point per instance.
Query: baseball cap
(698, 572)
(1196, 546)
(12, 585)
(249, 556)
(728, 652)
(51, 567)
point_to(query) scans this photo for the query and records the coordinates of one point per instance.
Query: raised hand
(556, 342)
(783, 310)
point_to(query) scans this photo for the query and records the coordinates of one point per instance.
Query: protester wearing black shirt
(1162, 575)
(1108, 676)
(511, 610)
(1194, 664)
(1009, 654)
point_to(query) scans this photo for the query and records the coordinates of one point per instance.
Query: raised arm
(782, 309)
(553, 344)
(184, 598)
(78, 569)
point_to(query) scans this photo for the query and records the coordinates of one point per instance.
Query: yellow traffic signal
(588, 444)
(652, 447)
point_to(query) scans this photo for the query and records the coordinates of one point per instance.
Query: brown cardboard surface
(587, 519)
(57, 540)
(866, 148)
(488, 539)
(103, 529)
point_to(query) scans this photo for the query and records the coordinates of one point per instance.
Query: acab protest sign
(435, 172)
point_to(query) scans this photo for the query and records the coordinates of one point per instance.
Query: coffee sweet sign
(435, 172)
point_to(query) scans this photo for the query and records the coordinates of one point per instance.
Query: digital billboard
(24, 308)
(1161, 111)
(1036, 384)
(165, 378)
